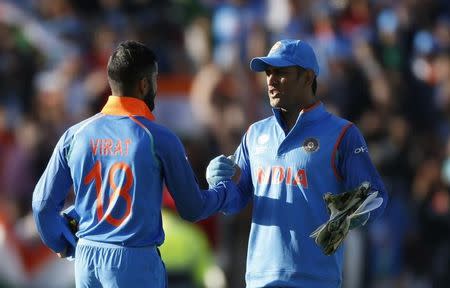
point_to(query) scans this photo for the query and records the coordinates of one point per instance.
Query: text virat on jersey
(110, 147)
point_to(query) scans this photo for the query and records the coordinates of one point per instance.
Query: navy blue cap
(285, 53)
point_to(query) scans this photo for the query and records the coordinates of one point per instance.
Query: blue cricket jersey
(117, 162)
(286, 175)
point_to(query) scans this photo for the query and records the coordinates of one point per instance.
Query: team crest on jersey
(311, 145)
(261, 146)
(263, 139)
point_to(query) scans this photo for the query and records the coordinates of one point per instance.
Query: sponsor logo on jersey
(311, 145)
(281, 175)
(362, 149)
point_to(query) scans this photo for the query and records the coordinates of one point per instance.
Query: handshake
(347, 211)
(222, 168)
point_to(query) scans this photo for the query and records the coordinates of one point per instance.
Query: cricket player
(117, 162)
(288, 162)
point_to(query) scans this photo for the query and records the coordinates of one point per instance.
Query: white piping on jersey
(89, 121)
(152, 142)
(304, 195)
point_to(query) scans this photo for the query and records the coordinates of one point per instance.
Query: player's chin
(275, 102)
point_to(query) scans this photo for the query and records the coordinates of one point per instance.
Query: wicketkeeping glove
(219, 169)
(347, 210)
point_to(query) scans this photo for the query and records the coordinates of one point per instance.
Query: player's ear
(143, 86)
(309, 77)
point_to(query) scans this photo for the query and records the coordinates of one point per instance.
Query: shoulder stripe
(83, 126)
(152, 142)
(247, 135)
(95, 117)
(336, 146)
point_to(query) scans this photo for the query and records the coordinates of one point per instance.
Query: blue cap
(287, 53)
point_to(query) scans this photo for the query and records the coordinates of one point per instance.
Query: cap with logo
(286, 53)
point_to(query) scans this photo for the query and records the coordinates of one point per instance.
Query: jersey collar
(126, 106)
(312, 113)
(309, 114)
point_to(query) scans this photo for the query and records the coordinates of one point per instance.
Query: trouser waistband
(83, 241)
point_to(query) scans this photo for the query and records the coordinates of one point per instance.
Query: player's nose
(272, 79)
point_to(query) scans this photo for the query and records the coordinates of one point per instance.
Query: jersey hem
(288, 278)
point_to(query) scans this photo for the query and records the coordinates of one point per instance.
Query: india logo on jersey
(281, 175)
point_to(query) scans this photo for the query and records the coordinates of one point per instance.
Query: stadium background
(385, 65)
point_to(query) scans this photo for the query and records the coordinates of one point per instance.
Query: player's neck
(309, 102)
(289, 118)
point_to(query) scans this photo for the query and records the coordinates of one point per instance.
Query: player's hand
(68, 253)
(330, 237)
(359, 221)
(64, 253)
(237, 174)
(219, 169)
(237, 169)
(344, 208)
(71, 219)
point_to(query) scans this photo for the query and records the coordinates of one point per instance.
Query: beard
(149, 99)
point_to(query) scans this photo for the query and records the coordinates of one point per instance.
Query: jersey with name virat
(117, 162)
(286, 174)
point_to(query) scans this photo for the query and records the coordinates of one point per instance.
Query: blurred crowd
(385, 65)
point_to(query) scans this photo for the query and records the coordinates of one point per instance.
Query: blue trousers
(113, 266)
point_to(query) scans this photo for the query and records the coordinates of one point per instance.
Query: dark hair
(314, 84)
(129, 63)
